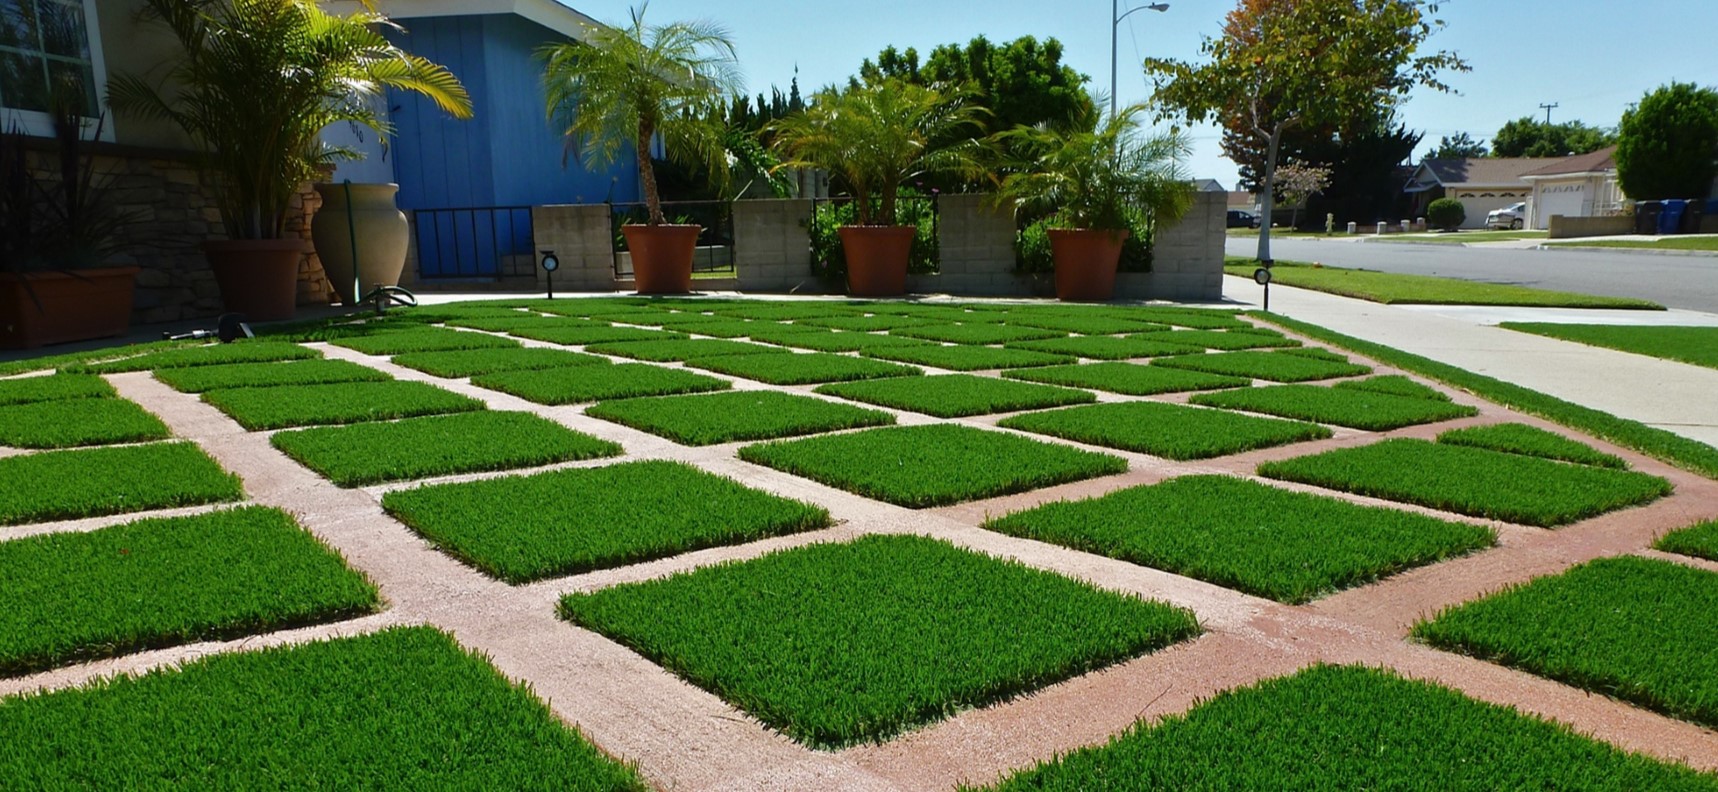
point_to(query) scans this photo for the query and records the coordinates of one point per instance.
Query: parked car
(1512, 217)
(1242, 219)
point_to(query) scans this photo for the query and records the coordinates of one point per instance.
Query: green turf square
(1084, 325)
(1356, 409)
(943, 314)
(1106, 347)
(405, 708)
(708, 419)
(1699, 541)
(964, 357)
(1331, 727)
(685, 349)
(210, 355)
(1473, 481)
(835, 644)
(77, 422)
(507, 324)
(1227, 341)
(525, 528)
(596, 383)
(437, 445)
(978, 333)
(781, 334)
(844, 341)
(1274, 366)
(957, 395)
(802, 369)
(714, 326)
(428, 340)
(1393, 384)
(91, 482)
(337, 403)
(1288, 546)
(1639, 629)
(163, 582)
(1127, 378)
(197, 379)
(863, 324)
(775, 311)
(1198, 319)
(1531, 441)
(602, 334)
(921, 466)
(53, 387)
(462, 363)
(1171, 431)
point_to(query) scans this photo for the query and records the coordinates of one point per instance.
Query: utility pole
(1548, 108)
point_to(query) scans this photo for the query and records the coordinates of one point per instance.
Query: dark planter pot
(662, 257)
(1086, 261)
(56, 307)
(877, 258)
(258, 277)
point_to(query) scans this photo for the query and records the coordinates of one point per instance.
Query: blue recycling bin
(1670, 216)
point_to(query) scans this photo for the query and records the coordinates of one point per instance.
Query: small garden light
(550, 264)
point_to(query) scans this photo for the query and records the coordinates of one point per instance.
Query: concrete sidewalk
(1676, 397)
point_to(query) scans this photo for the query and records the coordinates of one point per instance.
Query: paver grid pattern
(683, 737)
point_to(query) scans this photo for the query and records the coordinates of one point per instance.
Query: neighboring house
(1480, 183)
(1584, 185)
(1208, 185)
(1244, 201)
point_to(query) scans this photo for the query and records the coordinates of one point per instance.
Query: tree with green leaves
(1283, 64)
(1461, 146)
(1527, 137)
(1667, 146)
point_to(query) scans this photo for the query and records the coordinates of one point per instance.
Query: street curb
(1629, 250)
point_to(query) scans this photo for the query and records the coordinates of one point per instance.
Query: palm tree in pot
(624, 87)
(257, 83)
(1092, 182)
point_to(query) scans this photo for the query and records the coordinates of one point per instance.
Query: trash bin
(1670, 217)
(1691, 217)
(1646, 217)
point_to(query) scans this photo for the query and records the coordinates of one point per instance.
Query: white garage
(1584, 185)
(1480, 183)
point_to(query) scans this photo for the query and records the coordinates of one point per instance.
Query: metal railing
(715, 252)
(492, 242)
(829, 214)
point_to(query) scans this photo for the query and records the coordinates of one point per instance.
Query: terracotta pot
(1086, 261)
(258, 277)
(377, 226)
(67, 306)
(662, 257)
(877, 258)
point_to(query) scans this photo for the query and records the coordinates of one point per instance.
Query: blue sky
(1591, 57)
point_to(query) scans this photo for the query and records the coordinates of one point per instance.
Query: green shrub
(1446, 213)
(1032, 245)
(829, 258)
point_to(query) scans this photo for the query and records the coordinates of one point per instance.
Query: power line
(1548, 108)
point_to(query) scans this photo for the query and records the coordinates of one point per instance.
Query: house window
(46, 52)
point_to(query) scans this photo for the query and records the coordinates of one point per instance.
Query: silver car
(1512, 217)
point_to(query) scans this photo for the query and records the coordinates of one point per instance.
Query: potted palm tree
(627, 85)
(874, 138)
(1091, 182)
(257, 83)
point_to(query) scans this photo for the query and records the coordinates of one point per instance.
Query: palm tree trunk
(647, 174)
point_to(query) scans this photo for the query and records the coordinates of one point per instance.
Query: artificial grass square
(77, 422)
(942, 314)
(53, 387)
(773, 311)
(1393, 384)
(1274, 366)
(428, 340)
(979, 333)
(462, 363)
(91, 482)
(208, 355)
(1289, 546)
(735, 415)
(507, 324)
(780, 334)
(713, 326)
(601, 334)
(405, 708)
(957, 395)
(1699, 541)
(336, 403)
(1473, 481)
(1531, 441)
(965, 357)
(684, 349)
(1127, 378)
(525, 528)
(844, 341)
(1638, 629)
(1347, 727)
(197, 379)
(162, 582)
(835, 644)
(596, 383)
(1172, 431)
(863, 324)
(1106, 347)
(1196, 318)
(802, 369)
(1356, 409)
(922, 466)
(1226, 340)
(437, 445)
(1083, 325)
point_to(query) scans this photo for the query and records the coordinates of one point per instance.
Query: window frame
(39, 124)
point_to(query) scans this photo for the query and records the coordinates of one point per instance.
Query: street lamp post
(1116, 16)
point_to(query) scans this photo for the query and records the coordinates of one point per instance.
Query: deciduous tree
(1668, 144)
(1525, 137)
(1462, 146)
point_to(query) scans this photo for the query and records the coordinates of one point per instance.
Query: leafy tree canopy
(1022, 83)
(1668, 144)
(1525, 137)
(1462, 146)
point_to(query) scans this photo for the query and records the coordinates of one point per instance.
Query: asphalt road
(1688, 282)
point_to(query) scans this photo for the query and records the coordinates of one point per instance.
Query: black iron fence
(715, 252)
(477, 242)
(829, 214)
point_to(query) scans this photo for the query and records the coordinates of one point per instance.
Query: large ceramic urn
(361, 220)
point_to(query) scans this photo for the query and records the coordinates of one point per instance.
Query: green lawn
(1531, 441)
(406, 708)
(209, 355)
(843, 341)
(1226, 340)
(54, 387)
(77, 422)
(602, 334)
(1696, 345)
(525, 528)
(1391, 288)
(1171, 431)
(462, 363)
(681, 349)
(708, 419)
(1083, 324)
(1108, 347)
(836, 644)
(91, 482)
(957, 395)
(1673, 243)
(595, 383)
(162, 582)
(1356, 409)
(716, 326)
(426, 340)
(965, 357)
(979, 333)
(1461, 237)
(1283, 366)
(197, 379)
(863, 324)
(337, 403)
(437, 445)
(1127, 378)
(802, 369)
(1395, 385)
(1699, 541)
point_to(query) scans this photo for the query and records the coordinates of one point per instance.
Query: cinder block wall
(976, 241)
(579, 236)
(1187, 257)
(772, 245)
(1573, 227)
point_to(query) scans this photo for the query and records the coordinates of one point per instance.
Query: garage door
(1568, 200)
(1478, 204)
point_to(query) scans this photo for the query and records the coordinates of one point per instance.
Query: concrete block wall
(976, 243)
(1187, 257)
(772, 245)
(579, 236)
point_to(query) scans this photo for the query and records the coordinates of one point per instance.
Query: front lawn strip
(53, 387)
(405, 708)
(735, 415)
(1704, 243)
(430, 340)
(921, 466)
(462, 363)
(1699, 541)
(1083, 324)
(1532, 441)
(197, 379)
(844, 341)
(1274, 366)
(1638, 629)
(438, 445)
(210, 355)
(91, 482)
(1225, 340)
(1107, 347)
(595, 383)
(1289, 546)
(1392, 288)
(864, 324)
(525, 528)
(164, 582)
(802, 369)
(1693, 345)
(1473, 481)
(77, 422)
(1356, 409)
(338, 403)
(1127, 378)
(1171, 431)
(681, 349)
(1393, 384)
(1347, 727)
(836, 644)
(957, 395)
(965, 357)
(976, 333)
(602, 334)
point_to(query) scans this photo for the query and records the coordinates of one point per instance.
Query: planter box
(66, 306)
